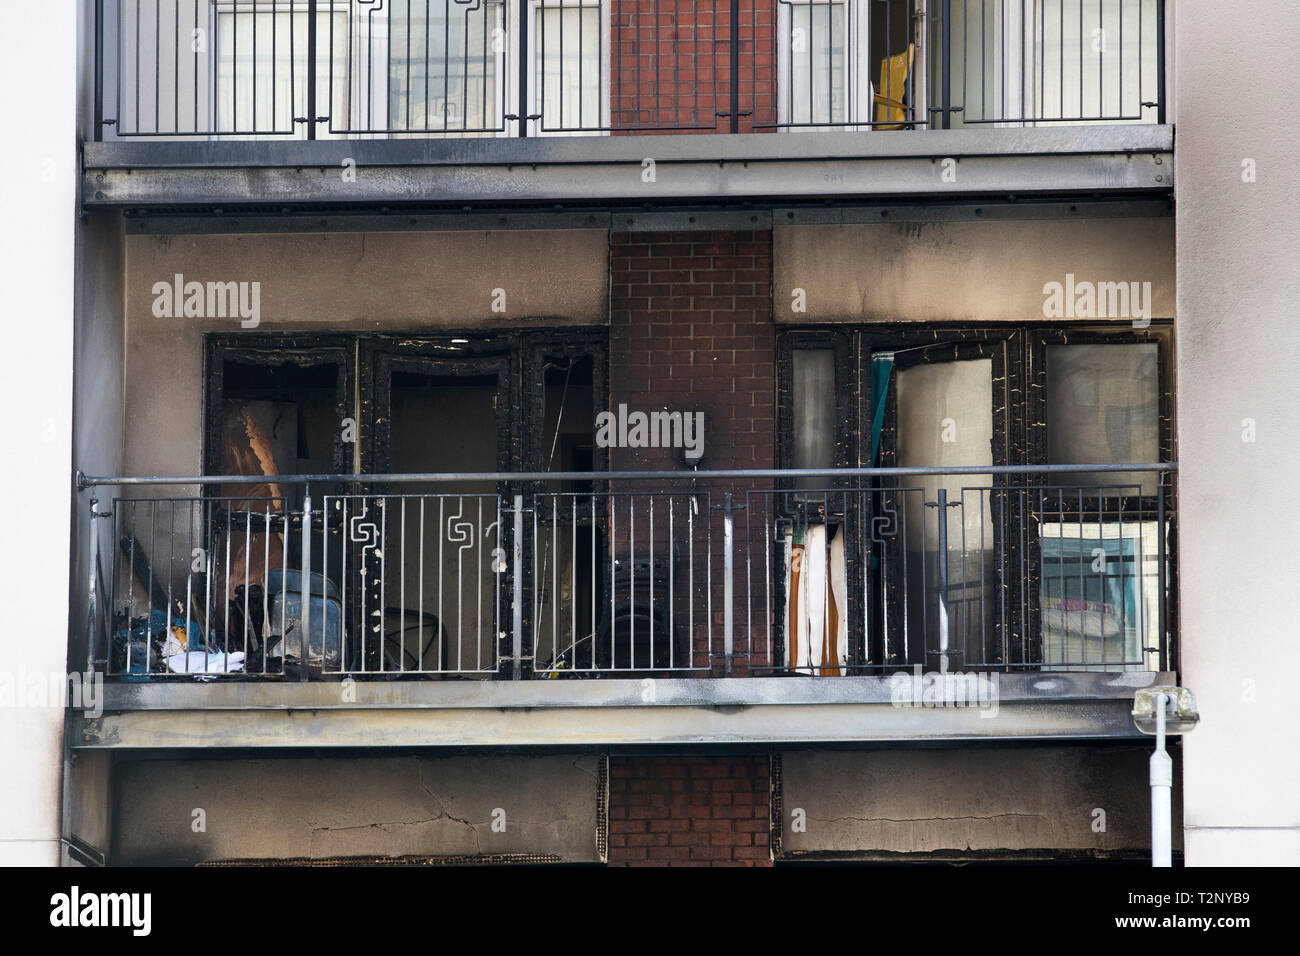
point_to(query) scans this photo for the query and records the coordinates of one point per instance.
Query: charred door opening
(281, 406)
(569, 526)
(436, 594)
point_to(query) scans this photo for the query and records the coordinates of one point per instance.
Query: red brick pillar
(691, 330)
(689, 811)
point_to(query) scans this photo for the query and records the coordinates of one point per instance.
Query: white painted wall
(1238, 339)
(38, 199)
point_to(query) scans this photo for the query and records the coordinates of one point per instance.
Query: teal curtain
(882, 366)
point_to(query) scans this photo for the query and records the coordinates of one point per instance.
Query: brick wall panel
(719, 819)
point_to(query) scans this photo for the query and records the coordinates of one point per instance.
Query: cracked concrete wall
(962, 271)
(977, 798)
(361, 806)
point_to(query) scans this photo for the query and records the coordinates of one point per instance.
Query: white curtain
(816, 603)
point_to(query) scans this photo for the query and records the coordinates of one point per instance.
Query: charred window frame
(578, 360)
(271, 350)
(519, 362)
(844, 346)
(1021, 381)
(800, 504)
(363, 392)
(255, 527)
(471, 356)
(1021, 433)
(1020, 409)
(518, 358)
(542, 352)
(1037, 373)
(1137, 501)
(452, 353)
(911, 349)
(888, 639)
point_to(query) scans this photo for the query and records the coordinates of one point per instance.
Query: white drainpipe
(1162, 784)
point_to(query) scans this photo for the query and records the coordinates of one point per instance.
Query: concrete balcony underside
(1101, 160)
(624, 712)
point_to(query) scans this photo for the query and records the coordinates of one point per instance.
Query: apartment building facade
(686, 434)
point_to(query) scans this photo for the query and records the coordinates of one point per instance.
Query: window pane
(1099, 615)
(260, 87)
(568, 67)
(255, 78)
(817, 37)
(813, 400)
(1092, 59)
(443, 62)
(1075, 61)
(1103, 407)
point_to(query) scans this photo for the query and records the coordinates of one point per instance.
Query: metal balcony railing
(820, 573)
(320, 69)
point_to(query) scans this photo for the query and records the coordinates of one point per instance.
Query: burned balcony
(578, 576)
(534, 89)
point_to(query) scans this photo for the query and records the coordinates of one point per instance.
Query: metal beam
(683, 218)
(1056, 706)
(85, 481)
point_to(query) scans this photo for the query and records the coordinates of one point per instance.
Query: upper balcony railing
(818, 573)
(320, 69)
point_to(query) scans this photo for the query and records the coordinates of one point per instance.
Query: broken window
(280, 418)
(569, 406)
(282, 407)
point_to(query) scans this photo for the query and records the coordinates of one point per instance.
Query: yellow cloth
(894, 72)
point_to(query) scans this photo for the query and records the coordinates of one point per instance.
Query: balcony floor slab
(620, 712)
